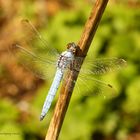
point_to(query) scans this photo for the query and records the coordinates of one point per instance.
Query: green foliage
(117, 36)
(9, 128)
(6, 107)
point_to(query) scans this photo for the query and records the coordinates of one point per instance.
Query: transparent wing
(91, 86)
(32, 37)
(32, 51)
(88, 83)
(42, 68)
(99, 66)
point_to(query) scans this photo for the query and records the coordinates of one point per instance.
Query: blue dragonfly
(33, 51)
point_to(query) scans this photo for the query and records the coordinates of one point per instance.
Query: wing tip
(24, 20)
(123, 62)
(110, 86)
(12, 47)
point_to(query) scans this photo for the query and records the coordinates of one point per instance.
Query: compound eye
(69, 45)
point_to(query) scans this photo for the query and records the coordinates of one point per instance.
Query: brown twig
(68, 86)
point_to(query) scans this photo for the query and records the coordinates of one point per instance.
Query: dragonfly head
(72, 47)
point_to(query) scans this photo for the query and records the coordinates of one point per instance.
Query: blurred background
(88, 118)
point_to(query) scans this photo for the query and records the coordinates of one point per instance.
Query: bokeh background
(88, 118)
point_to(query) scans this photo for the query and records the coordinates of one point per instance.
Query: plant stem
(68, 86)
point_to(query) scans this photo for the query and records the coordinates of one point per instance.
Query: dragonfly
(45, 61)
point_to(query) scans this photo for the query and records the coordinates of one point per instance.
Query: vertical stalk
(68, 86)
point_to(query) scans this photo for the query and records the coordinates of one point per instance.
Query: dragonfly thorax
(65, 59)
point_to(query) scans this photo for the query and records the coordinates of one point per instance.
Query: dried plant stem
(68, 86)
